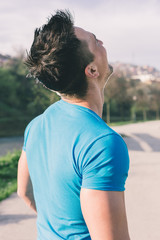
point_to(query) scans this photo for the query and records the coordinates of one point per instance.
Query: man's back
(70, 147)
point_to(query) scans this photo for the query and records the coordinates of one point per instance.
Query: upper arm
(105, 169)
(104, 213)
(23, 177)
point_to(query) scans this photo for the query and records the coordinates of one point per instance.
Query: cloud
(127, 28)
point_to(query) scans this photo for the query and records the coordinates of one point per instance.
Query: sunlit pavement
(18, 222)
(143, 184)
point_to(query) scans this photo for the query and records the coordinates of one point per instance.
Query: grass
(120, 123)
(8, 174)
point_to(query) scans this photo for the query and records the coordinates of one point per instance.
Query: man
(73, 167)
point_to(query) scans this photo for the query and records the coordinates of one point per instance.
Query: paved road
(143, 185)
(10, 144)
(17, 222)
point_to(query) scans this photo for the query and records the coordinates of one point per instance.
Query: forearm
(28, 198)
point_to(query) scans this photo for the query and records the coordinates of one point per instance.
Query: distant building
(144, 77)
(145, 74)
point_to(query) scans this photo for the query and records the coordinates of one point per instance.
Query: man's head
(61, 56)
(99, 67)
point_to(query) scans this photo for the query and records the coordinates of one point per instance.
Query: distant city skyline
(128, 29)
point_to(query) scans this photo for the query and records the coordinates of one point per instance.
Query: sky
(129, 29)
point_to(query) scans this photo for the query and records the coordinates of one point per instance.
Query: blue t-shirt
(70, 147)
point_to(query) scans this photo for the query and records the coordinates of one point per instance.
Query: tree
(143, 100)
(8, 97)
(21, 96)
(155, 98)
(116, 97)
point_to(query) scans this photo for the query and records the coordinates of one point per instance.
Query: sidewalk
(18, 222)
(143, 184)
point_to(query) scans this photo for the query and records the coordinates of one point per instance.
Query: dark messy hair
(57, 58)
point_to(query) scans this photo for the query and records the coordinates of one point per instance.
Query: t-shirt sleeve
(30, 126)
(106, 163)
(26, 133)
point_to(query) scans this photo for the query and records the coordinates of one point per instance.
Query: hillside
(143, 73)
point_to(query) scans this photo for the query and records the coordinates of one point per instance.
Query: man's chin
(109, 72)
(111, 69)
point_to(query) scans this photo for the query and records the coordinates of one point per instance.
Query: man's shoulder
(100, 135)
(99, 128)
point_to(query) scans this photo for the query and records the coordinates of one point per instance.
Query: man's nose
(100, 42)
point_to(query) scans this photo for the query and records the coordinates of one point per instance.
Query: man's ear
(91, 71)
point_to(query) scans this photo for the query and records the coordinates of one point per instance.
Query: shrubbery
(8, 174)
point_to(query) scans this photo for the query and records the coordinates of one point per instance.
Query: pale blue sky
(130, 30)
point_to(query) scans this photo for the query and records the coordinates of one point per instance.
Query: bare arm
(25, 190)
(105, 215)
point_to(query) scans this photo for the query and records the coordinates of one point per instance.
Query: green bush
(8, 174)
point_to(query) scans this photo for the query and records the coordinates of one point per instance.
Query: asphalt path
(142, 195)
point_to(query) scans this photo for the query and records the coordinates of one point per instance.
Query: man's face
(96, 47)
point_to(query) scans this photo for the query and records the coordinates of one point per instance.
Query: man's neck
(94, 100)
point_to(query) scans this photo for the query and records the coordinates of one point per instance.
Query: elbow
(21, 194)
